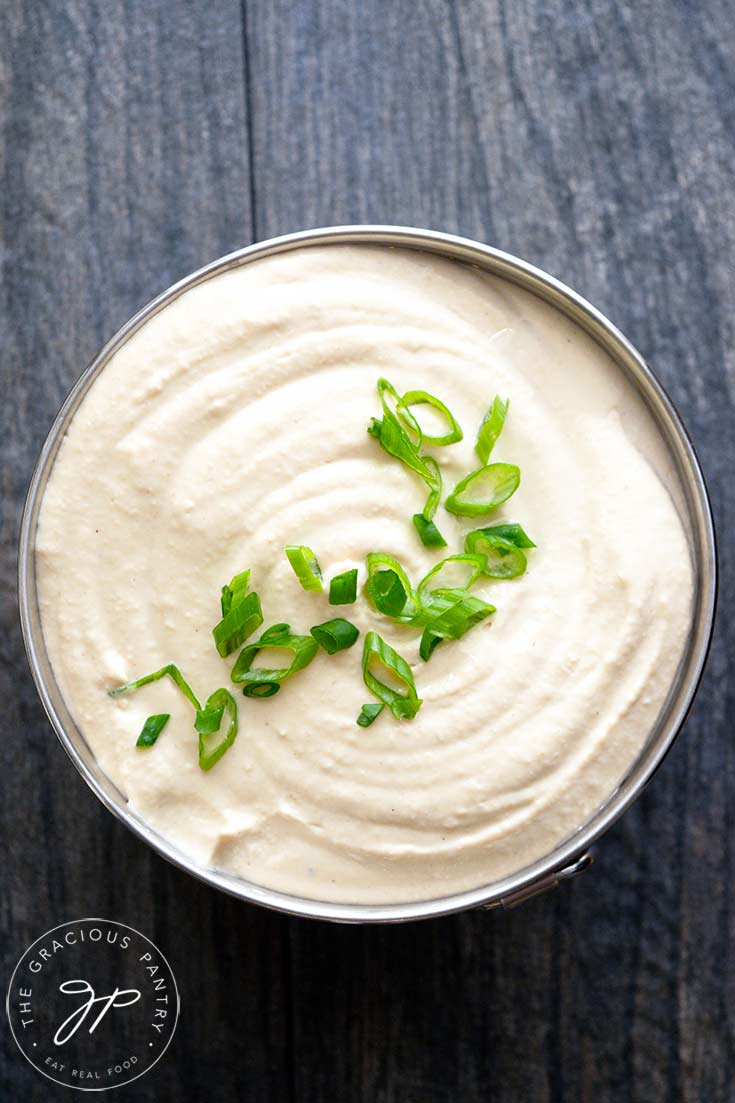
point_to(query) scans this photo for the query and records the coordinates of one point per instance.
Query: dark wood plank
(123, 166)
(595, 140)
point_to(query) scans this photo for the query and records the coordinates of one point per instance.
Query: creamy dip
(233, 423)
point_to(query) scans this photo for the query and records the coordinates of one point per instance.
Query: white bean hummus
(234, 423)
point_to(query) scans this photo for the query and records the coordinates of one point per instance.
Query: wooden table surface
(139, 139)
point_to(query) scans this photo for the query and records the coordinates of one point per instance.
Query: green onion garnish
(152, 728)
(368, 713)
(404, 706)
(274, 632)
(503, 559)
(512, 532)
(398, 409)
(387, 592)
(335, 635)
(236, 589)
(424, 522)
(305, 565)
(260, 682)
(243, 617)
(453, 434)
(394, 440)
(471, 565)
(171, 671)
(379, 562)
(429, 533)
(435, 487)
(208, 719)
(208, 722)
(491, 428)
(343, 588)
(452, 613)
(429, 643)
(482, 491)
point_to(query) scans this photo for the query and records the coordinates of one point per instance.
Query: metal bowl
(573, 854)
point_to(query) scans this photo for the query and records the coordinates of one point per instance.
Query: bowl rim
(682, 692)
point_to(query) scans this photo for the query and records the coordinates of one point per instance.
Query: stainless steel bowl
(572, 855)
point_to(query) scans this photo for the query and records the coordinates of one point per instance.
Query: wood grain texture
(138, 140)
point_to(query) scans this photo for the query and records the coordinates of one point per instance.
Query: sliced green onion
(152, 728)
(377, 651)
(242, 619)
(208, 719)
(491, 428)
(387, 592)
(429, 533)
(424, 522)
(512, 532)
(503, 559)
(377, 562)
(369, 713)
(208, 722)
(429, 643)
(335, 635)
(343, 588)
(233, 592)
(260, 682)
(482, 491)
(305, 565)
(472, 565)
(274, 632)
(262, 689)
(418, 398)
(435, 487)
(396, 442)
(400, 412)
(452, 613)
(171, 671)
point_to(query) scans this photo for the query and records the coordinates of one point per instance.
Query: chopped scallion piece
(208, 722)
(429, 643)
(208, 719)
(369, 713)
(152, 728)
(343, 588)
(262, 689)
(453, 434)
(387, 592)
(491, 428)
(244, 616)
(305, 565)
(260, 682)
(395, 407)
(503, 559)
(335, 635)
(378, 561)
(470, 566)
(429, 533)
(171, 671)
(512, 532)
(424, 522)
(435, 487)
(233, 592)
(482, 491)
(396, 442)
(377, 652)
(274, 632)
(451, 613)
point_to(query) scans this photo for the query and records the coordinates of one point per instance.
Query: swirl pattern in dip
(233, 423)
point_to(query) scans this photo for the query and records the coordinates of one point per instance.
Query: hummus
(234, 423)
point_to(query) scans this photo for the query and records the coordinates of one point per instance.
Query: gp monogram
(93, 1004)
